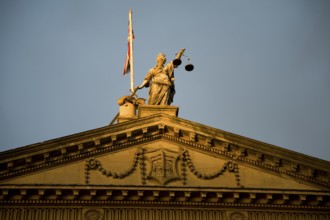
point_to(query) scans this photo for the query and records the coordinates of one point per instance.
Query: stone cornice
(156, 196)
(140, 131)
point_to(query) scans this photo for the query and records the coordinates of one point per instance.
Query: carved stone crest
(163, 165)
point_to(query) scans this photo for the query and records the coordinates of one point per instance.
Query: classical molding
(156, 196)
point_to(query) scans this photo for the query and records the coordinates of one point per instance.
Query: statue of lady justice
(160, 78)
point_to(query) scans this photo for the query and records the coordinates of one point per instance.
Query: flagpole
(131, 50)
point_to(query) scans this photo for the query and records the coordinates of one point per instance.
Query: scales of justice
(159, 79)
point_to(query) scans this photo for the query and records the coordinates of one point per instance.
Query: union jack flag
(127, 66)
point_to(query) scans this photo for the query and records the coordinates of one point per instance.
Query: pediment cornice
(182, 132)
(169, 196)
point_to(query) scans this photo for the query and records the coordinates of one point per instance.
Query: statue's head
(161, 58)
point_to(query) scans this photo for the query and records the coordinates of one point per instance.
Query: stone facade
(159, 166)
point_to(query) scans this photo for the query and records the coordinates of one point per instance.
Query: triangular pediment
(161, 162)
(162, 158)
(162, 150)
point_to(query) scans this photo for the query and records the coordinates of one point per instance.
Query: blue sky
(262, 68)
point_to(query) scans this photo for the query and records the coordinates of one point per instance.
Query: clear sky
(262, 68)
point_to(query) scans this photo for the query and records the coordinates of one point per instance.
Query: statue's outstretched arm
(178, 56)
(143, 84)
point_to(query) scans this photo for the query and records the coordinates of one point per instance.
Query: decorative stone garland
(142, 167)
(230, 166)
(139, 158)
(93, 164)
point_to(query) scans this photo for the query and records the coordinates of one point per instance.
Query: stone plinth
(147, 110)
(127, 109)
(127, 112)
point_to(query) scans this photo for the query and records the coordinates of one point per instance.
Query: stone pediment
(162, 160)
(174, 151)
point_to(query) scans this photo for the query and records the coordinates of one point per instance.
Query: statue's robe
(161, 84)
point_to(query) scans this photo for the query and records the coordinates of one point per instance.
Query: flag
(127, 66)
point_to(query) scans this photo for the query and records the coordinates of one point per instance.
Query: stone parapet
(147, 110)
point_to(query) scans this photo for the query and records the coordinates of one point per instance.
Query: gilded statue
(160, 79)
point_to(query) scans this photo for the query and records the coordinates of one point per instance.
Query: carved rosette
(93, 214)
(237, 216)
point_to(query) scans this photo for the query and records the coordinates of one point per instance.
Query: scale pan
(189, 67)
(177, 62)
